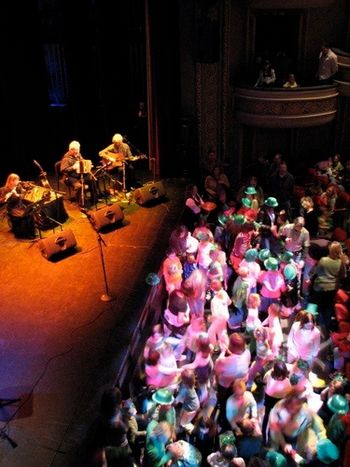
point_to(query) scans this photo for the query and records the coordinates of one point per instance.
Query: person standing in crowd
(327, 65)
(291, 82)
(282, 186)
(328, 276)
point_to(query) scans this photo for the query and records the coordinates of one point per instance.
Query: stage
(60, 343)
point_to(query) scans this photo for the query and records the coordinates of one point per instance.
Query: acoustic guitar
(117, 159)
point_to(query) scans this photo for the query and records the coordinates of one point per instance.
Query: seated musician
(72, 170)
(12, 195)
(117, 152)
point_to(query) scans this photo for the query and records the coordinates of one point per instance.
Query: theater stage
(61, 345)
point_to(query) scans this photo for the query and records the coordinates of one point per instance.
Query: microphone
(36, 163)
(125, 138)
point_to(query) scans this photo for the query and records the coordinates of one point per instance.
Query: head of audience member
(254, 300)
(237, 343)
(283, 169)
(299, 223)
(279, 370)
(307, 321)
(307, 203)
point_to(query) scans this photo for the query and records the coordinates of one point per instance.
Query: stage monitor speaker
(105, 217)
(57, 243)
(149, 192)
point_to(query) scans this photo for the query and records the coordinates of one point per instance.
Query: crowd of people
(247, 366)
(278, 72)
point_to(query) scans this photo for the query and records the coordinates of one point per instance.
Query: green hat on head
(286, 257)
(271, 202)
(338, 404)
(276, 459)
(251, 255)
(312, 309)
(152, 279)
(264, 254)
(290, 272)
(327, 452)
(222, 219)
(271, 264)
(227, 437)
(239, 219)
(163, 397)
(246, 202)
(250, 190)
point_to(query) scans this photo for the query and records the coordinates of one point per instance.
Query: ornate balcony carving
(285, 108)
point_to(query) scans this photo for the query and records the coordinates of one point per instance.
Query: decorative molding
(286, 108)
(289, 4)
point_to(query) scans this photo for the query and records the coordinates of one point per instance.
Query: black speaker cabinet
(107, 216)
(149, 192)
(57, 243)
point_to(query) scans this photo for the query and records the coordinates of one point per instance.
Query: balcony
(285, 108)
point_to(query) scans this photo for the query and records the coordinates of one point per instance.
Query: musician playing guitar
(119, 153)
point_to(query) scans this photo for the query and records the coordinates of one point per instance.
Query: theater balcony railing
(285, 108)
(343, 76)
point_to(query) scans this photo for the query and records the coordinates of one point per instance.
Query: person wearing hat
(272, 283)
(276, 459)
(267, 220)
(327, 452)
(336, 428)
(246, 204)
(250, 262)
(227, 455)
(304, 338)
(158, 436)
(249, 188)
(295, 429)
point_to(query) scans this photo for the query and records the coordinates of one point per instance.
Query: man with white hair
(117, 153)
(70, 168)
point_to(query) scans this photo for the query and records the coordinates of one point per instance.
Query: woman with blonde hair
(328, 277)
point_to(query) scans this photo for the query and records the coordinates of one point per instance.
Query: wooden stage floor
(60, 343)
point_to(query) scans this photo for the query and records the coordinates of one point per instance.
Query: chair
(59, 179)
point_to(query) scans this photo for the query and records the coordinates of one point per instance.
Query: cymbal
(208, 206)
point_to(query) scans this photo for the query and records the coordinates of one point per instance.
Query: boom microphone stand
(105, 297)
(3, 435)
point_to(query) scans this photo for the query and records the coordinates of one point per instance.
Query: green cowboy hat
(239, 219)
(250, 190)
(271, 202)
(271, 264)
(246, 202)
(327, 452)
(290, 272)
(264, 254)
(338, 404)
(276, 459)
(286, 257)
(312, 309)
(152, 279)
(163, 397)
(251, 255)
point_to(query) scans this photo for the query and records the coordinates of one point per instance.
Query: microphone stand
(106, 296)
